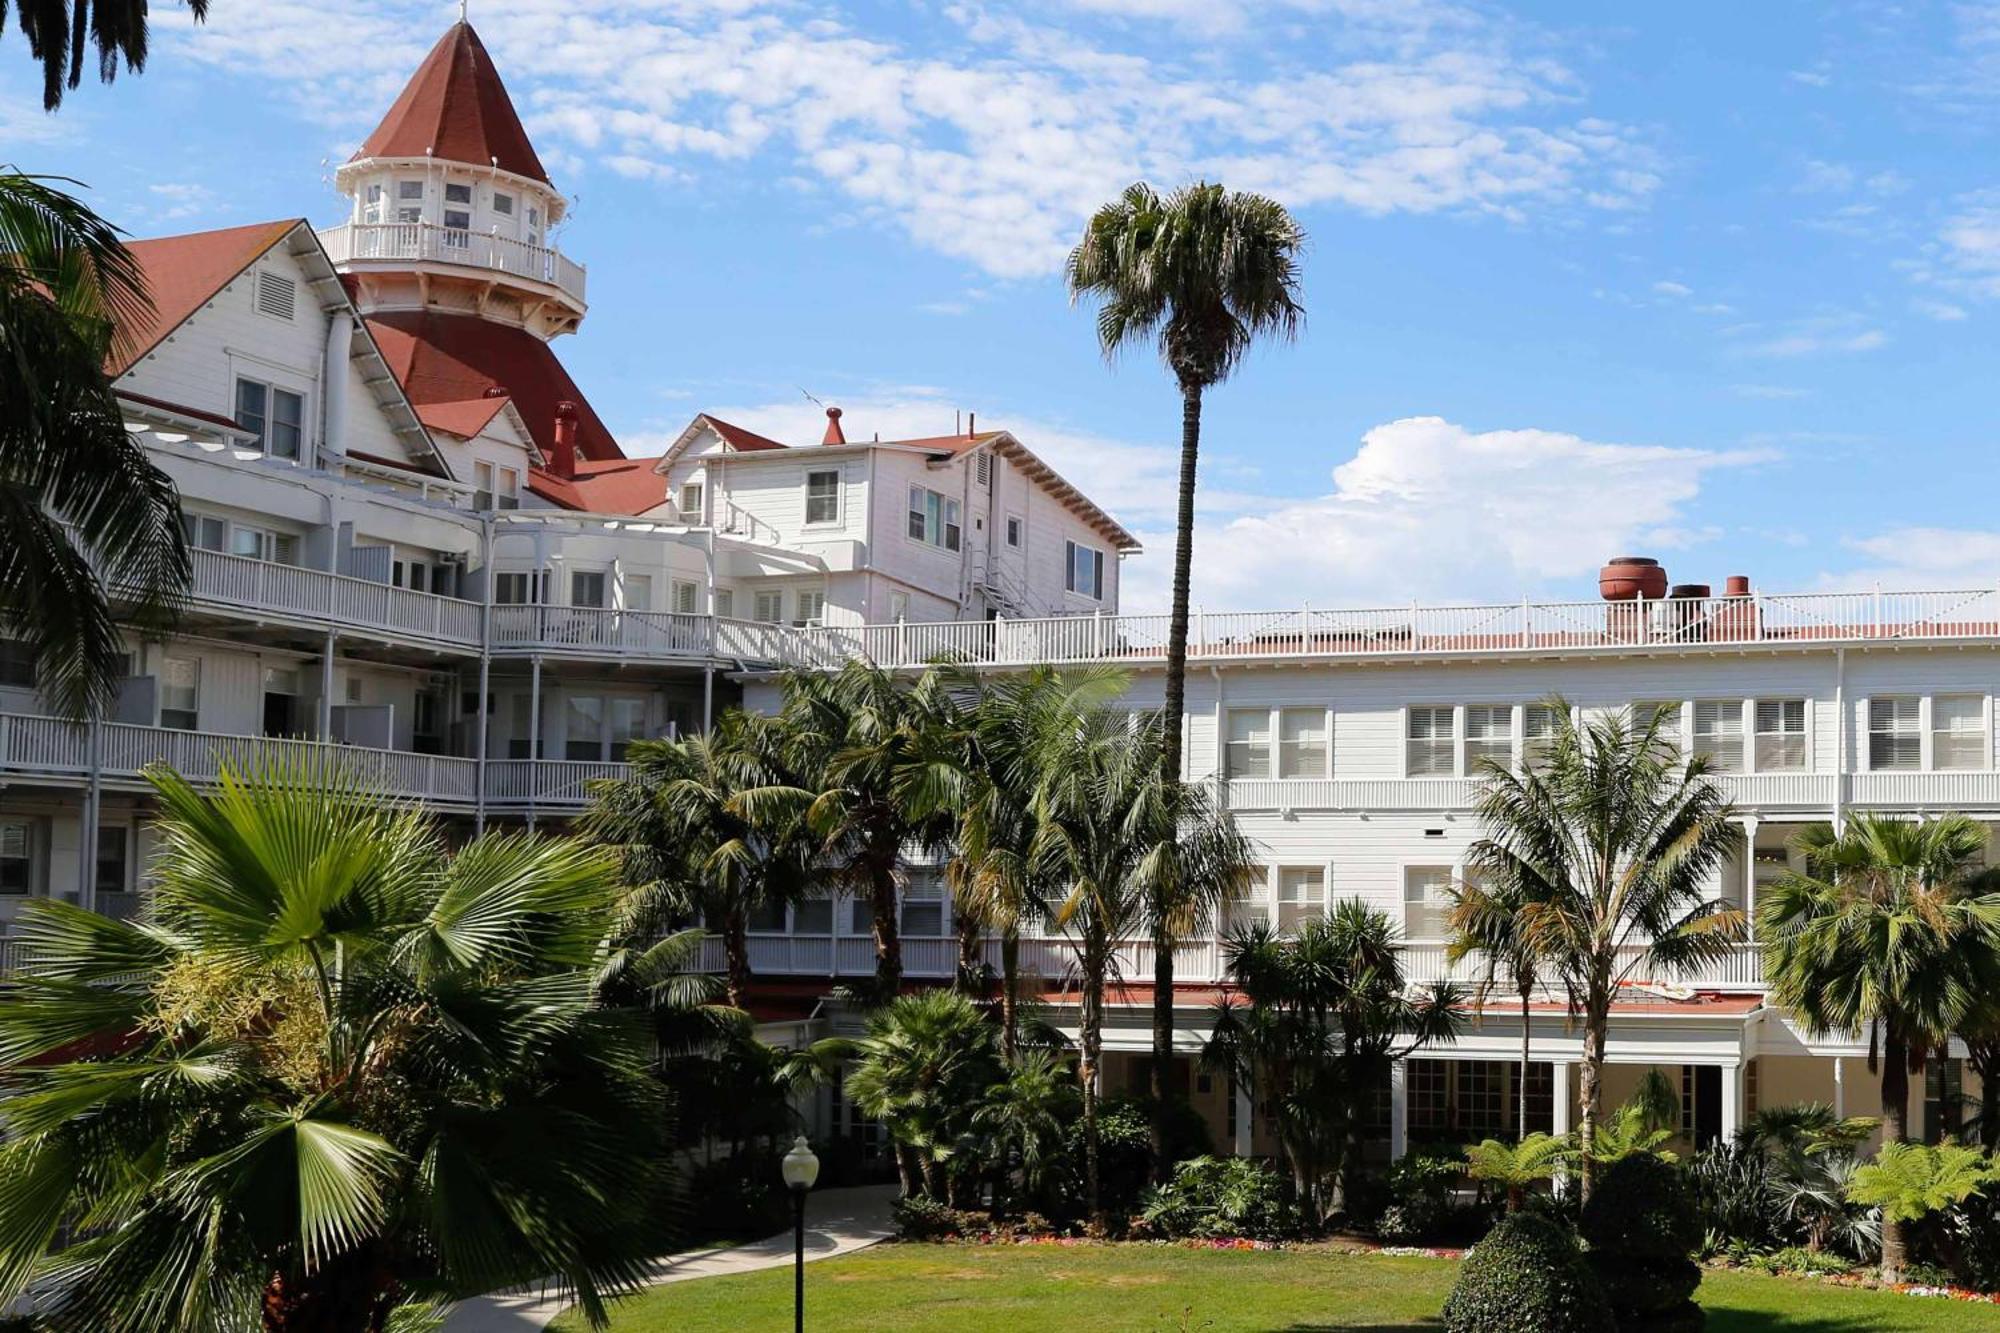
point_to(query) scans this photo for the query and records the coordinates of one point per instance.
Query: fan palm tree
(1022, 1119)
(61, 32)
(1882, 930)
(1608, 845)
(1202, 273)
(922, 1070)
(1515, 1167)
(1324, 1017)
(1117, 836)
(873, 766)
(686, 846)
(336, 1068)
(81, 505)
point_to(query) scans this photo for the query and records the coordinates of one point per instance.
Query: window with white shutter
(180, 693)
(923, 906)
(1302, 743)
(811, 606)
(1781, 735)
(1489, 734)
(769, 607)
(1958, 732)
(1301, 896)
(1426, 901)
(277, 295)
(1718, 733)
(1539, 724)
(1666, 710)
(1895, 732)
(1248, 753)
(1430, 748)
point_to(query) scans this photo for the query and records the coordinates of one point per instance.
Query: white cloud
(1674, 289)
(1817, 335)
(1942, 311)
(991, 139)
(1772, 391)
(1918, 558)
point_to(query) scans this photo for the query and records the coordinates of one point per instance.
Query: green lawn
(969, 1289)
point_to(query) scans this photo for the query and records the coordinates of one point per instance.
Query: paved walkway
(837, 1222)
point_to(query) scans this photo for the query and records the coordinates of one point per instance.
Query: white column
(1245, 1125)
(1399, 1110)
(1559, 1098)
(1749, 874)
(1732, 1101)
(333, 389)
(1839, 1087)
(534, 734)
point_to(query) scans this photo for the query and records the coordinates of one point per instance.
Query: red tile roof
(738, 438)
(610, 486)
(456, 108)
(182, 272)
(445, 359)
(465, 418)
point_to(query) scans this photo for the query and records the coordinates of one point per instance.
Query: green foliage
(923, 1069)
(337, 1066)
(1020, 1123)
(1526, 1277)
(1124, 1154)
(1909, 1181)
(1626, 1132)
(1221, 1197)
(1324, 1014)
(1799, 1259)
(1641, 1227)
(918, 1217)
(1421, 1205)
(1515, 1167)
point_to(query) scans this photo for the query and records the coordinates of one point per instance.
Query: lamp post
(800, 1169)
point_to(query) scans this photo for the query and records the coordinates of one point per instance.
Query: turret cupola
(452, 207)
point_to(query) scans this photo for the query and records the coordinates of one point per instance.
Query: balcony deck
(426, 242)
(264, 590)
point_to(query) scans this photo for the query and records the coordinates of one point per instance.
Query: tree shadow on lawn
(1719, 1321)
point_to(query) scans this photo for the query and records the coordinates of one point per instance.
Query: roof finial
(461, 10)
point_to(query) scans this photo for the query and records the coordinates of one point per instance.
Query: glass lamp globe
(800, 1167)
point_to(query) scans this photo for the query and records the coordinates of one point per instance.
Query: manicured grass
(998, 1289)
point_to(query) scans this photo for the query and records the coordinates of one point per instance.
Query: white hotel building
(417, 543)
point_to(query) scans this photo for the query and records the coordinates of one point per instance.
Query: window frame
(937, 526)
(1290, 923)
(1449, 743)
(1404, 870)
(1919, 730)
(834, 496)
(1239, 757)
(193, 710)
(1933, 730)
(1509, 715)
(267, 417)
(1072, 549)
(774, 598)
(1758, 734)
(603, 577)
(20, 665)
(34, 857)
(1016, 531)
(1700, 742)
(802, 598)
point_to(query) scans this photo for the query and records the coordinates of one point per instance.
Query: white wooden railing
(428, 242)
(264, 587)
(550, 783)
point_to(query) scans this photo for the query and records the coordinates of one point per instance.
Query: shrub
(921, 1218)
(1422, 1206)
(1732, 1191)
(1124, 1159)
(1799, 1259)
(1642, 1227)
(1526, 1277)
(1220, 1197)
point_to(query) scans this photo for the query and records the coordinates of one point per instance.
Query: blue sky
(1712, 282)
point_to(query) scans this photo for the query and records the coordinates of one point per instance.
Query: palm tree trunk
(736, 956)
(888, 944)
(1010, 994)
(969, 936)
(1590, 1091)
(1895, 1124)
(1090, 1044)
(350, 1293)
(1170, 759)
(1527, 1039)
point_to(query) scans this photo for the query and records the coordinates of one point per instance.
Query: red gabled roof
(453, 359)
(183, 272)
(456, 108)
(738, 438)
(613, 486)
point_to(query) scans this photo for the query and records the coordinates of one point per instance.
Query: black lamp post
(800, 1169)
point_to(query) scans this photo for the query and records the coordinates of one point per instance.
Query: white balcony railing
(546, 783)
(429, 243)
(263, 587)
(50, 746)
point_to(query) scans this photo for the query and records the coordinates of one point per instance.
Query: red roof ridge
(455, 108)
(740, 438)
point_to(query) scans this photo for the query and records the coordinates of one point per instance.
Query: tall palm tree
(81, 505)
(1609, 843)
(60, 34)
(1324, 1016)
(875, 769)
(1112, 831)
(1882, 930)
(1494, 925)
(337, 1068)
(686, 846)
(994, 874)
(1202, 273)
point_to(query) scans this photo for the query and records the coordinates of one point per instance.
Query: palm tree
(1494, 925)
(337, 1068)
(993, 873)
(1022, 1119)
(60, 31)
(1324, 1017)
(1113, 831)
(1515, 1167)
(922, 1069)
(1882, 930)
(876, 769)
(1202, 273)
(81, 505)
(686, 846)
(1608, 844)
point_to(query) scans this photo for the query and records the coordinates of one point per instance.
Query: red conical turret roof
(456, 108)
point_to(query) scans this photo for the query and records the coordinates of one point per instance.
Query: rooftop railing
(431, 243)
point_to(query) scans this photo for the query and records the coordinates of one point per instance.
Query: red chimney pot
(1736, 585)
(834, 435)
(562, 458)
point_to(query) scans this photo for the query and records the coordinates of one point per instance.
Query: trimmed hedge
(1527, 1277)
(1642, 1226)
